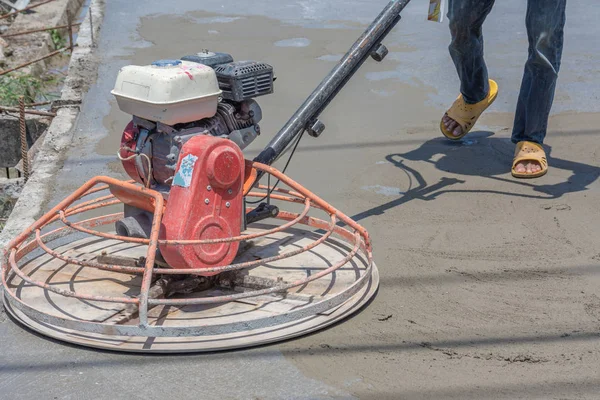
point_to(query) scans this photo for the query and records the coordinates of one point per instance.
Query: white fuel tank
(168, 91)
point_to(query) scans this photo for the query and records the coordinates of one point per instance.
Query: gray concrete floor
(492, 284)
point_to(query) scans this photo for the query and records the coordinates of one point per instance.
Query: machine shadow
(481, 155)
(275, 350)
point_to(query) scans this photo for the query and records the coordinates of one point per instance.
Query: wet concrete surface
(489, 285)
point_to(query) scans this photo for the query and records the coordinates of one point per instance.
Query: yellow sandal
(467, 114)
(529, 151)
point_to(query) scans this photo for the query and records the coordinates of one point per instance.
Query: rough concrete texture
(5, 50)
(10, 137)
(10, 189)
(489, 286)
(26, 48)
(59, 136)
(32, 46)
(31, 202)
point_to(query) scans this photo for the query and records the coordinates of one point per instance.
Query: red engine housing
(205, 202)
(128, 143)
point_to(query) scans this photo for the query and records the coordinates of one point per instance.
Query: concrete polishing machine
(194, 253)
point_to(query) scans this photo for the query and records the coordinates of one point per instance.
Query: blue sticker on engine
(183, 177)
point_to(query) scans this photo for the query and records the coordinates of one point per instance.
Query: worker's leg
(466, 49)
(466, 18)
(545, 21)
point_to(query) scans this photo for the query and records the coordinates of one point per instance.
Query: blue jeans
(545, 21)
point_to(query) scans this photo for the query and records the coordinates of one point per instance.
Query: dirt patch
(518, 358)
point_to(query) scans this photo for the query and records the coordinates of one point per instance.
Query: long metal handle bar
(334, 82)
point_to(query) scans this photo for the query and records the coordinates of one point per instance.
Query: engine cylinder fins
(71, 278)
(243, 80)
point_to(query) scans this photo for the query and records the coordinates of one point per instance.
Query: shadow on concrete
(479, 154)
(448, 278)
(271, 351)
(393, 346)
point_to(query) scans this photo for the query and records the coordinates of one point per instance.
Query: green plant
(14, 86)
(57, 40)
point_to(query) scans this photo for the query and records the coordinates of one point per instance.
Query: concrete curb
(32, 201)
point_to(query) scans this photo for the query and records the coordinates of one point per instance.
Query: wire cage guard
(336, 227)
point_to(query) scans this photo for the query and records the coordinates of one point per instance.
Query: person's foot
(460, 118)
(528, 167)
(525, 167)
(452, 126)
(530, 160)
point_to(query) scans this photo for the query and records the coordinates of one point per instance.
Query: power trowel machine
(199, 254)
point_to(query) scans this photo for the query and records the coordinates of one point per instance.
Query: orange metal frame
(128, 192)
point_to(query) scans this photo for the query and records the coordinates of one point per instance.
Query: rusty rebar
(32, 62)
(24, 147)
(31, 112)
(38, 30)
(10, 14)
(41, 103)
(91, 24)
(70, 28)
